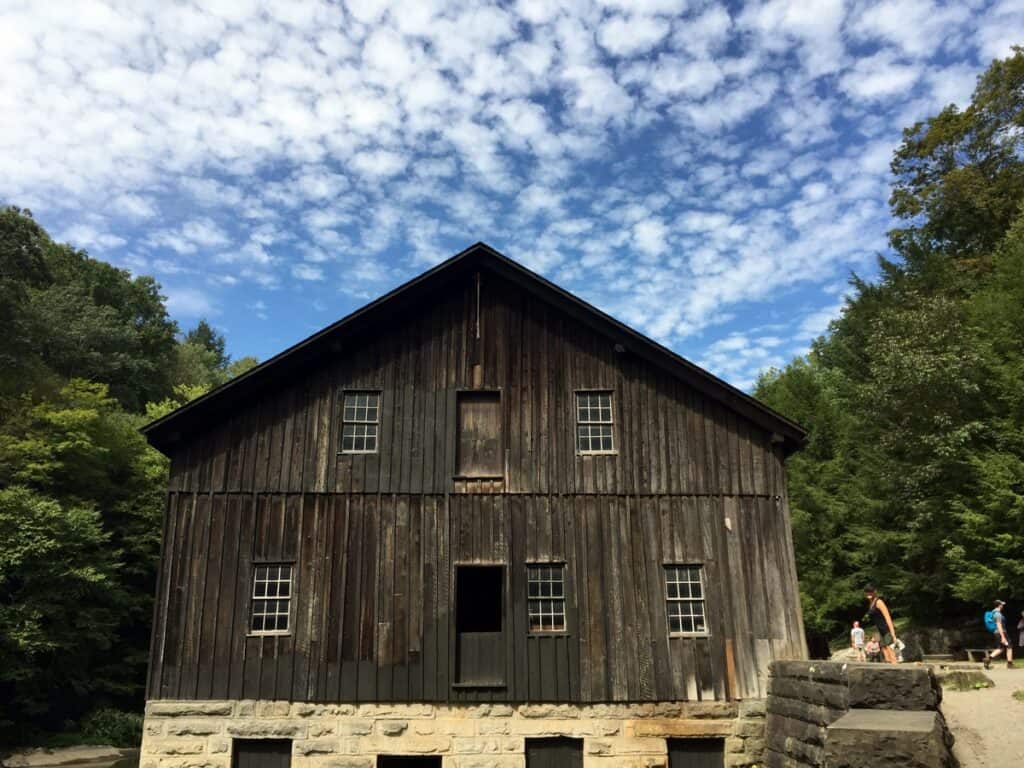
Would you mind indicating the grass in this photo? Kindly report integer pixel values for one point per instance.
(1019, 695)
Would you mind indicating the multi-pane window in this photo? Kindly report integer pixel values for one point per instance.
(685, 600)
(594, 422)
(545, 586)
(360, 421)
(271, 599)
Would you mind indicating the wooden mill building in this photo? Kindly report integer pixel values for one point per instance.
(475, 524)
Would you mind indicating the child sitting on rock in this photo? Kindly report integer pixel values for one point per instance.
(873, 649)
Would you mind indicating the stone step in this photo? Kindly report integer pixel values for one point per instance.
(868, 738)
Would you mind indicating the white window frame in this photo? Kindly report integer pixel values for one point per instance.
(376, 423)
(547, 600)
(610, 422)
(256, 598)
(680, 599)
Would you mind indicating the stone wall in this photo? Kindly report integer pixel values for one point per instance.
(816, 716)
(198, 734)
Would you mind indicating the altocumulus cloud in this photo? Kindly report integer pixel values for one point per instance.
(699, 170)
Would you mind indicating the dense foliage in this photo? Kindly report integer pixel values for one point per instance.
(913, 476)
(88, 355)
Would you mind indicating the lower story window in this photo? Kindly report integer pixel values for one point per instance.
(271, 599)
(546, 597)
(684, 596)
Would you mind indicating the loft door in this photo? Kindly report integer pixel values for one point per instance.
(696, 753)
(479, 452)
(261, 753)
(554, 753)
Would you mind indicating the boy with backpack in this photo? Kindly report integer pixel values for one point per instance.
(996, 624)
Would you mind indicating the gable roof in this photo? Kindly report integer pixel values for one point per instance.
(167, 431)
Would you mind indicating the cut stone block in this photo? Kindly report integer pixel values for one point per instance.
(868, 738)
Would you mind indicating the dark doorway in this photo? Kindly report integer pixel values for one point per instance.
(408, 762)
(261, 753)
(479, 625)
(696, 753)
(554, 753)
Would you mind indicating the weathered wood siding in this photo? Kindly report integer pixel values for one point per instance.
(670, 440)
(375, 538)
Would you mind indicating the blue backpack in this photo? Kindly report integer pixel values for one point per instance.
(990, 622)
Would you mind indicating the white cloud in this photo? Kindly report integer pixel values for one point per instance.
(880, 76)
(379, 163)
(630, 35)
(307, 272)
(88, 236)
(189, 302)
(917, 27)
(135, 206)
(650, 237)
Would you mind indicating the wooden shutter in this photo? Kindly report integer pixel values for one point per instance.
(696, 753)
(261, 753)
(554, 753)
(479, 448)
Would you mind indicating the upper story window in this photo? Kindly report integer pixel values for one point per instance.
(594, 422)
(545, 586)
(271, 599)
(360, 422)
(684, 595)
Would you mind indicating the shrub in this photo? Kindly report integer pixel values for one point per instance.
(114, 727)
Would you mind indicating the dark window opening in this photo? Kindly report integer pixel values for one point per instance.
(554, 753)
(397, 761)
(479, 624)
(696, 753)
(478, 594)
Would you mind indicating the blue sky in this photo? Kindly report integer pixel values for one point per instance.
(708, 173)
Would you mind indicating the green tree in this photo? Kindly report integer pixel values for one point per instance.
(914, 473)
(81, 449)
(59, 606)
(960, 174)
(87, 358)
(73, 316)
(205, 337)
(22, 268)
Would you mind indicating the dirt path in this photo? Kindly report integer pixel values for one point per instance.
(988, 724)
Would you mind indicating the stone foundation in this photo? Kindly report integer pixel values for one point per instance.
(198, 734)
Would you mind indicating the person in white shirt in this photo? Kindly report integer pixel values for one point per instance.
(857, 640)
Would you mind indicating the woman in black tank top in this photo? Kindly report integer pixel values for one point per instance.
(878, 613)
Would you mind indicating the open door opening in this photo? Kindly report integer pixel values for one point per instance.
(479, 625)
